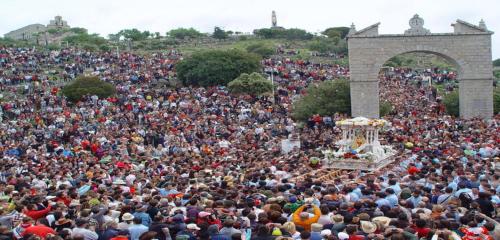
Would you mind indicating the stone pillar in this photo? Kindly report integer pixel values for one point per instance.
(364, 99)
(476, 98)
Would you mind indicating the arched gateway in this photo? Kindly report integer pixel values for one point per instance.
(468, 47)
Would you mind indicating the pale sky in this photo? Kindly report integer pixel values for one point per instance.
(104, 17)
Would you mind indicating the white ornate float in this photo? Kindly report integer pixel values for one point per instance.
(360, 147)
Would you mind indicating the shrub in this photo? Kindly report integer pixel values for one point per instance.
(496, 100)
(216, 67)
(326, 98)
(290, 34)
(385, 108)
(260, 49)
(451, 102)
(181, 33)
(496, 63)
(83, 86)
(496, 74)
(254, 84)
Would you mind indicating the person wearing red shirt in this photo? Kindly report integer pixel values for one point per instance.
(413, 170)
(352, 232)
(36, 214)
(62, 197)
(39, 230)
(420, 228)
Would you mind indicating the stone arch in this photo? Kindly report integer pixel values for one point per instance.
(468, 47)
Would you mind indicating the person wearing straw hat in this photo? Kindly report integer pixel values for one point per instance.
(368, 227)
(126, 221)
(385, 221)
(338, 223)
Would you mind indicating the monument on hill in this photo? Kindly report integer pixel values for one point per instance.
(468, 47)
(274, 21)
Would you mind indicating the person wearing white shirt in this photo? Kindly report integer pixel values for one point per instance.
(130, 179)
(224, 144)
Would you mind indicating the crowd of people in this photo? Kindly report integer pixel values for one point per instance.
(154, 162)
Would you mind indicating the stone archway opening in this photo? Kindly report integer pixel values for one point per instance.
(468, 47)
(416, 82)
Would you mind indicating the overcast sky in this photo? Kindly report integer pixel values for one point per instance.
(110, 16)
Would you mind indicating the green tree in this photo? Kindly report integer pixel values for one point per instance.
(496, 74)
(78, 30)
(54, 31)
(297, 34)
(496, 63)
(216, 67)
(260, 49)
(290, 34)
(254, 84)
(321, 45)
(340, 32)
(385, 108)
(325, 99)
(83, 86)
(340, 47)
(115, 37)
(219, 33)
(265, 33)
(327, 45)
(395, 61)
(451, 102)
(134, 34)
(181, 33)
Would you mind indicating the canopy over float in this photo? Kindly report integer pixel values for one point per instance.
(360, 148)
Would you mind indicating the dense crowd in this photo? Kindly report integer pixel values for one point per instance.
(198, 163)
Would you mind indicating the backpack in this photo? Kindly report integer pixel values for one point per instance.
(465, 199)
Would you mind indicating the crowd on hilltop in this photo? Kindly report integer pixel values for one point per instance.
(154, 162)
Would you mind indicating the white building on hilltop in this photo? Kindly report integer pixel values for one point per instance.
(29, 32)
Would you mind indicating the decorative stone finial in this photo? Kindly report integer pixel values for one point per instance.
(482, 25)
(352, 30)
(417, 26)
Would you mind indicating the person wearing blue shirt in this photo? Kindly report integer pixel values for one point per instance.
(137, 229)
(143, 216)
(462, 188)
(381, 201)
(395, 186)
(353, 197)
(391, 197)
(415, 199)
(13, 152)
(168, 191)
